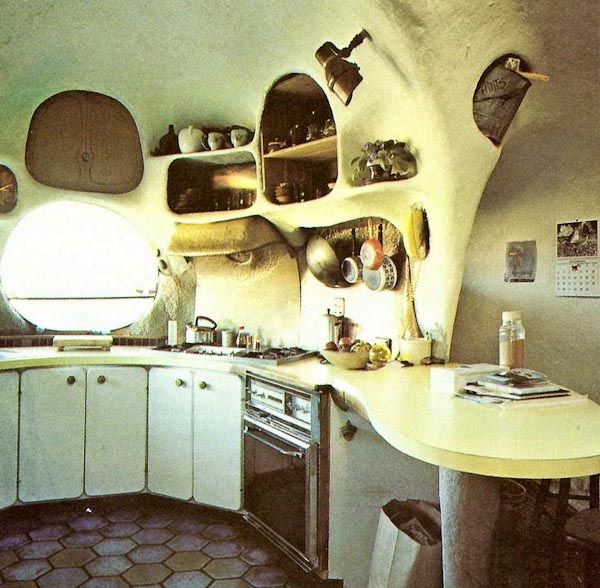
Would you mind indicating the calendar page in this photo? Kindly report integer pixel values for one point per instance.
(577, 260)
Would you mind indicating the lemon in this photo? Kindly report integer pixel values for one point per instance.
(380, 354)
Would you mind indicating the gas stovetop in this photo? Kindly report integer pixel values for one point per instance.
(267, 356)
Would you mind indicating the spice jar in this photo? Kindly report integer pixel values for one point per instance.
(511, 340)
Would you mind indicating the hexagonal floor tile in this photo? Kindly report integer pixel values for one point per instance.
(72, 558)
(111, 565)
(49, 532)
(222, 531)
(266, 576)
(155, 520)
(82, 539)
(149, 554)
(13, 540)
(63, 578)
(7, 558)
(39, 549)
(231, 583)
(125, 529)
(187, 561)
(141, 574)
(187, 542)
(187, 525)
(188, 580)
(230, 567)
(220, 549)
(123, 515)
(88, 523)
(107, 582)
(115, 546)
(152, 536)
(29, 569)
(260, 556)
(20, 525)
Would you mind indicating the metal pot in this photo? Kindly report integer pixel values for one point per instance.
(205, 334)
(323, 263)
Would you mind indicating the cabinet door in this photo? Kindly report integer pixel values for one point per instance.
(9, 417)
(115, 444)
(52, 433)
(170, 435)
(218, 439)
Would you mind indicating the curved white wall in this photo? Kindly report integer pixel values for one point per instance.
(181, 62)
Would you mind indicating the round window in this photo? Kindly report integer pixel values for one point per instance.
(71, 266)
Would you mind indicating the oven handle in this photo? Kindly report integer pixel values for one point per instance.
(270, 442)
(256, 424)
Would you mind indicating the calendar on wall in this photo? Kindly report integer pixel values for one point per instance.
(577, 260)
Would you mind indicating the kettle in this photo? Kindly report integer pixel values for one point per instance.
(201, 333)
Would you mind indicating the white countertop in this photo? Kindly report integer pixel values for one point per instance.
(547, 442)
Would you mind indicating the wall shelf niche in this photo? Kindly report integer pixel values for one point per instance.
(304, 167)
(212, 182)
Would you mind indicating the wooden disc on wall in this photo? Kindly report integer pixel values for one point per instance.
(8, 189)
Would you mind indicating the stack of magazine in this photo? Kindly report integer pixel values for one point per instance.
(519, 388)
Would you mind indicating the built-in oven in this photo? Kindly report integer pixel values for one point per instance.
(286, 467)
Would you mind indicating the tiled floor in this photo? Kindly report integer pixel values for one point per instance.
(136, 541)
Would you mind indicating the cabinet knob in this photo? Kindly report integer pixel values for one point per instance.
(202, 385)
(179, 382)
(71, 380)
(101, 379)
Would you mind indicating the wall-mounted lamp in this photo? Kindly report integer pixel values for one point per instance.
(341, 75)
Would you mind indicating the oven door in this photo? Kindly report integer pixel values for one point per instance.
(280, 489)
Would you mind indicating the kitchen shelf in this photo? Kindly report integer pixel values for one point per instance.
(211, 183)
(307, 170)
(324, 149)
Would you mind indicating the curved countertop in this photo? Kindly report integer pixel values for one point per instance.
(550, 442)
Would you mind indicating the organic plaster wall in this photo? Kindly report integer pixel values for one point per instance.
(262, 294)
(180, 62)
(547, 174)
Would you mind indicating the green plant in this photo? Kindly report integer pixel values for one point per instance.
(383, 160)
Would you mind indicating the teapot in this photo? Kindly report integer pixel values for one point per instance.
(191, 139)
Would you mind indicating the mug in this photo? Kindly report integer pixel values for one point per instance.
(384, 277)
(352, 268)
(216, 140)
(240, 136)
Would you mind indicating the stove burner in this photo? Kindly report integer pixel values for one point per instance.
(270, 352)
(269, 355)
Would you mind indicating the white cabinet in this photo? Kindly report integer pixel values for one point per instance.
(170, 433)
(115, 444)
(218, 439)
(9, 427)
(52, 424)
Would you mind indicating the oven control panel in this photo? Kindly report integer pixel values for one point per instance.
(279, 401)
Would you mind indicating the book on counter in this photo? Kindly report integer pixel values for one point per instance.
(519, 387)
(566, 398)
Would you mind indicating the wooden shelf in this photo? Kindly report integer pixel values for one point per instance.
(324, 149)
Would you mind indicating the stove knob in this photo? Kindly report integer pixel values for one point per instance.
(202, 385)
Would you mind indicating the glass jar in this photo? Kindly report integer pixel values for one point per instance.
(511, 340)
(242, 338)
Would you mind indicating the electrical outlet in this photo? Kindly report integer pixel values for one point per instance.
(339, 307)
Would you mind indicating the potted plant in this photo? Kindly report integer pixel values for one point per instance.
(383, 161)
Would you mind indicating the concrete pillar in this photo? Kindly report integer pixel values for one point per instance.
(470, 504)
